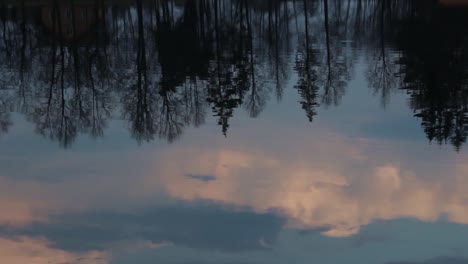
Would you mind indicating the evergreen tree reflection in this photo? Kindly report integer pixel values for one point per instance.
(163, 66)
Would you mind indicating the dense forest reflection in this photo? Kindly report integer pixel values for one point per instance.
(71, 67)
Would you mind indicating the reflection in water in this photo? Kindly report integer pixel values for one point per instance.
(163, 66)
(26, 250)
(334, 198)
(233, 200)
(435, 73)
(278, 190)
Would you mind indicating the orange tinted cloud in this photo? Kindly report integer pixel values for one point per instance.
(317, 194)
(23, 250)
(330, 181)
(20, 204)
(19, 213)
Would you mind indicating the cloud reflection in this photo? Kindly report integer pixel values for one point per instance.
(316, 195)
(22, 250)
(249, 193)
(199, 225)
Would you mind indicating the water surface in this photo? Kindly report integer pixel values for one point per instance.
(233, 131)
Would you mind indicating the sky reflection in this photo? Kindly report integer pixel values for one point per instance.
(332, 189)
(203, 154)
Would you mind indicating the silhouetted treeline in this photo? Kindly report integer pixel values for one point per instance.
(72, 66)
(434, 64)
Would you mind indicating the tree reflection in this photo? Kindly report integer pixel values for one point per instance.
(323, 67)
(383, 68)
(163, 66)
(435, 66)
(306, 67)
(336, 72)
(5, 109)
(69, 99)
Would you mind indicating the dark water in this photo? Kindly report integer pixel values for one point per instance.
(233, 132)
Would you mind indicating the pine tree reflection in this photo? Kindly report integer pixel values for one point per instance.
(435, 65)
(164, 65)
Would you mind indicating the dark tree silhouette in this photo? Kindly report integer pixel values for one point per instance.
(435, 71)
(383, 68)
(5, 110)
(71, 66)
(307, 70)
